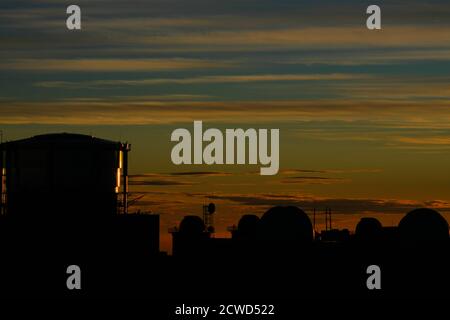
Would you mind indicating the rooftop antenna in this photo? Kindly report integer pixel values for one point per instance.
(208, 216)
(329, 212)
(314, 220)
(125, 149)
(328, 225)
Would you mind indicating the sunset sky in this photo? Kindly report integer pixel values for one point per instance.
(364, 116)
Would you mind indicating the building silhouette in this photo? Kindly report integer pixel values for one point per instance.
(70, 190)
(53, 170)
(64, 200)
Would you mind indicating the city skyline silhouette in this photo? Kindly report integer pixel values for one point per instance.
(282, 247)
(86, 117)
(140, 200)
(363, 114)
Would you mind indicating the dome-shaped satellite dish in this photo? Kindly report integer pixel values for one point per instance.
(368, 229)
(286, 224)
(192, 225)
(248, 223)
(423, 225)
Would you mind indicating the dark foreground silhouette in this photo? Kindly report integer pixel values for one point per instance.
(64, 201)
(275, 257)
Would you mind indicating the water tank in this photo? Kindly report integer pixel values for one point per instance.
(62, 174)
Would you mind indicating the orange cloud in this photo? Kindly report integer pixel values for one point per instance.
(205, 80)
(438, 141)
(427, 113)
(311, 37)
(110, 65)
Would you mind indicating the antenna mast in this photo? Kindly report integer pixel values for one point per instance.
(208, 216)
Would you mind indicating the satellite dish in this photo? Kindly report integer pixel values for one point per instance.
(211, 208)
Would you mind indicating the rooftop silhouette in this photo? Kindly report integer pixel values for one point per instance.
(423, 225)
(64, 201)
